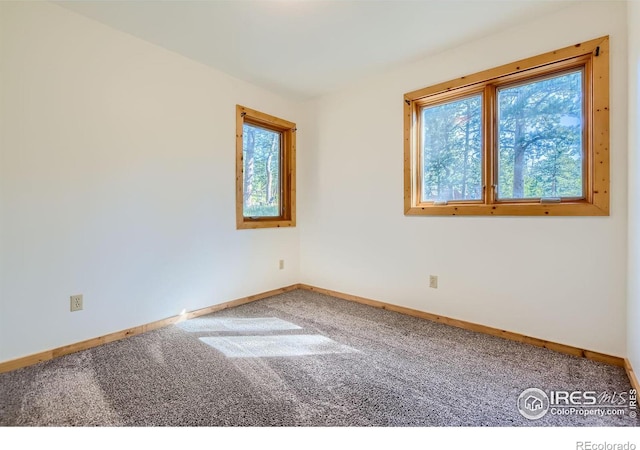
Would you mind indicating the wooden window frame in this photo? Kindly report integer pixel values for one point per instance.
(593, 55)
(287, 217)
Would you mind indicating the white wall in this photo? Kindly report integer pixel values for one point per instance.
(117, 181)
(561, 279)
(633, 306)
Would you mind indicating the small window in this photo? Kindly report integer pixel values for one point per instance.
(265, 170)
(527, 138)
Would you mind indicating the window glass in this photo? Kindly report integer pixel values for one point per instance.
(261, 151)
(540, 129)
(452, 150)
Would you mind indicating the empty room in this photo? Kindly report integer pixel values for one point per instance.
(315, 214)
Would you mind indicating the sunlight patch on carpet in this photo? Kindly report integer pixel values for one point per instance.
(240, 324)
(272, 346)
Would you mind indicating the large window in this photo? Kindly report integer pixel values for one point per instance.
(265, 170)
(527, 138)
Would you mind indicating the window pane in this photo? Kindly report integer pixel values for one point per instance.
(540, 138)
(261, 160)
(452, 150)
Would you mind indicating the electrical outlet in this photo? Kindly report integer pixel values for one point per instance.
(76, 302)
(433, 281)
(281, 264)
